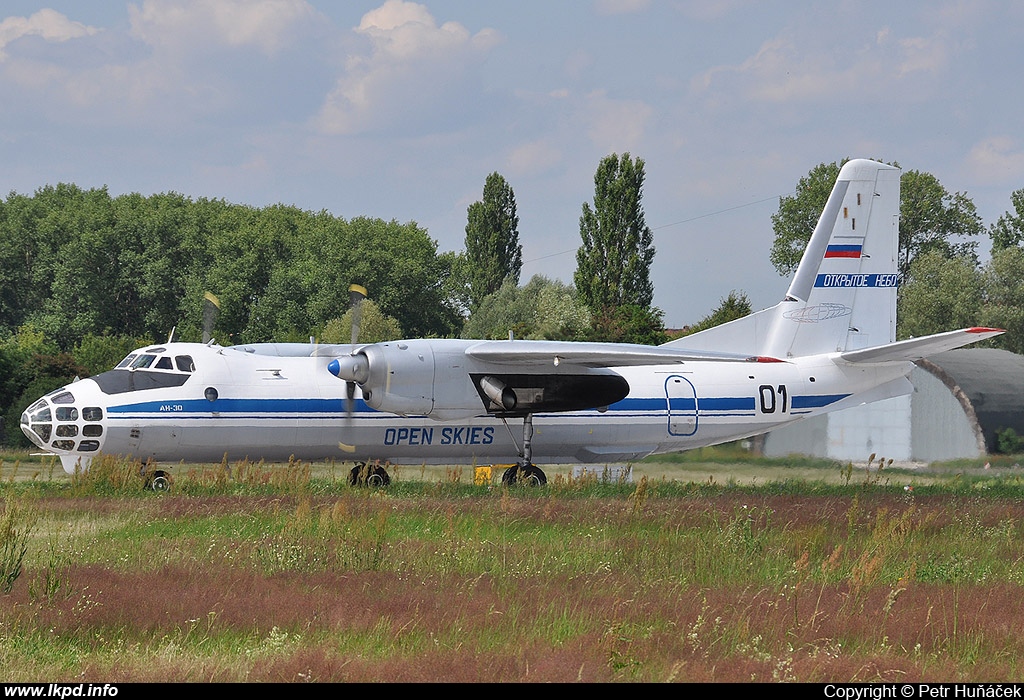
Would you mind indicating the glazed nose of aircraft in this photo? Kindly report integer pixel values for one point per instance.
(55, 423)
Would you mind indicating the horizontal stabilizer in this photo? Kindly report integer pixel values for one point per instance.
(917, 348)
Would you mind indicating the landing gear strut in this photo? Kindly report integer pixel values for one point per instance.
(526, 472)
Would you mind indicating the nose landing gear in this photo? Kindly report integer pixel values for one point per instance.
(373, 475)
(158, 480)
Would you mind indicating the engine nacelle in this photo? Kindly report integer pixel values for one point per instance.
(435, 378)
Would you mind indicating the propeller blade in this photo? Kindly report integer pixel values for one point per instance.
(350, 399)
(352, 368)
(356, 294)
(211, 309)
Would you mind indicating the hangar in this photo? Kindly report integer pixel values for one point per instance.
(962, 401)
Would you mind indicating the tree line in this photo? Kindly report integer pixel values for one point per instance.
(85, 277)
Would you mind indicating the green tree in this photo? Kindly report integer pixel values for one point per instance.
(543, 309)
(939, 294)
(931, 219)
(629, 323)
(493, 252)
(99, 353)
(374, 326)
(734, 306)
(1003, 278)
(1008, 231)
(613, 263)
(798, 214)
(30, 366)
(397, 263)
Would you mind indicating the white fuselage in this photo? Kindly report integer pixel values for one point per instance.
(225, 402)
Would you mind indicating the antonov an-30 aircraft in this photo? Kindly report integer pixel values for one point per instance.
(828, 345)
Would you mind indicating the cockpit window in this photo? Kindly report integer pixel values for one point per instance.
(126, 361)
(143, 361)
(185, 363)
(67, 413)
(164, 363)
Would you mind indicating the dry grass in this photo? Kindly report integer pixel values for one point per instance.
(278, 577)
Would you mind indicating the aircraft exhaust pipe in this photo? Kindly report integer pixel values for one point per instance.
(499, 393)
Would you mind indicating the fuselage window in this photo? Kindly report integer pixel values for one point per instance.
(63, 397)
(164, 363)
(143, 361)
(88, 445)
(185, 363)
(92, 430)
(93, 413)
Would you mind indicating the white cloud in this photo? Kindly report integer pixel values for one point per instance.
(414, 69)
(534, 157)
(616, 125)
(793, 67)
(267, 25)
(48, 24)
(997, 160)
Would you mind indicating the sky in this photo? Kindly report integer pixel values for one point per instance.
(400, 110)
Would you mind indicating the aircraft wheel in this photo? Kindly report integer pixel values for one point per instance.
(160, 482)
(366, 475)
(524, 474)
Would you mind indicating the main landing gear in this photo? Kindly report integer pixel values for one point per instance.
(525, 472)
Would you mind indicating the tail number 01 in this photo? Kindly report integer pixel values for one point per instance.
(773, 398)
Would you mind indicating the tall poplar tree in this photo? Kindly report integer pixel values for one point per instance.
(493, 252)
(613, 264)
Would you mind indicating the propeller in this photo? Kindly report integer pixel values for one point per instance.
(352, 368)
(211, 309)
(356, 294)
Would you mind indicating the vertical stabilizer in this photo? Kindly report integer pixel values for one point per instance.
(843, 295)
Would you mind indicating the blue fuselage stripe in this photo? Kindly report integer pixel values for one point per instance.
(314, 408)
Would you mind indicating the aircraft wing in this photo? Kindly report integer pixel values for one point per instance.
(539, 353)
(916, 348)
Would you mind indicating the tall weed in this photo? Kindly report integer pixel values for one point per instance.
(16, 525)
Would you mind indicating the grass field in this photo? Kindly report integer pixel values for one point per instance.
(708, 566)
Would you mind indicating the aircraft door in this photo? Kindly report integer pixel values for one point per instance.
(681, 398)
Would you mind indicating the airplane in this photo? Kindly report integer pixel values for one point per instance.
(828, 345)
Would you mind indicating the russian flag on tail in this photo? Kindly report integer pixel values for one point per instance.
(843, 251)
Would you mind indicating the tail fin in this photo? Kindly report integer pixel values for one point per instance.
(843, 295)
